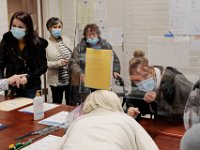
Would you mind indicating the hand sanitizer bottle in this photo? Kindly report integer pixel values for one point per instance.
(38, 106)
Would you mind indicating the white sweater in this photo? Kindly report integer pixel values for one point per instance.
(52, 56)
(105, 130)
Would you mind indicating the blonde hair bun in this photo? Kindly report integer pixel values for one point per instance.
(138, 53)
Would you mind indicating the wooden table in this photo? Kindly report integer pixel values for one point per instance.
(165, 134)
(19, 123)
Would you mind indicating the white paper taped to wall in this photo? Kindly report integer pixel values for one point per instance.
(184, 17)
(179, 52)
(169, 51)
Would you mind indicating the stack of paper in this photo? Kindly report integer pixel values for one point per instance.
(2, 126)
(12, 104)
(43, 143)
(46, 107)
(58, 119)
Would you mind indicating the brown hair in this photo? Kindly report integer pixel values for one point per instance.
(53, 21)
(91, 27)
(138, 53)
(31, 36)
(139, 59)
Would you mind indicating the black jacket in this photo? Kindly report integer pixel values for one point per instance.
(172, 94)
(32, 60)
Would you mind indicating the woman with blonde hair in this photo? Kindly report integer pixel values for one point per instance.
(155, 84)
(105, 126)
(138, 53)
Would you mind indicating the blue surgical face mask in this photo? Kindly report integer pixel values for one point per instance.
(56, 33)
(18, 33)
(146, 85)
(92, 41)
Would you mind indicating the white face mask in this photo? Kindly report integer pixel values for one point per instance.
(146, 85)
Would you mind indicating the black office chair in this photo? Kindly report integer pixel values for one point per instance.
(143, 107)
(138, 102)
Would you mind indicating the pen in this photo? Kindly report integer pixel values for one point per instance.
(32, 133)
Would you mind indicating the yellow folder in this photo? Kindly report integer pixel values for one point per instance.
(98, 68)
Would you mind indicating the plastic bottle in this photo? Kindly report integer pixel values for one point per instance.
(38, 106)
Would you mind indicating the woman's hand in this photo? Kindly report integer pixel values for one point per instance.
(150, 96)
(23, 80)
(133, 112)
(116, 75)
(82, 77)
(16, 80)
(64, 62)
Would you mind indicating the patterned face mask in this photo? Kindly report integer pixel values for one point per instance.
(146, 85)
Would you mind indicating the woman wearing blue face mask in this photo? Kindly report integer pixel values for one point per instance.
(165, 86)
(22, 51)
(91, 39)
(59, 53)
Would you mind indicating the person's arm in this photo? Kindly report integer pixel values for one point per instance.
(2, 58)
(74, 62)
(14, 80)
(56, 64)
(52, 57)
(116, 64)
(52, 63)
(133, 111)
(74, 67)
(4, 84)
(42, 61)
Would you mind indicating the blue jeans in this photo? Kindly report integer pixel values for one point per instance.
(27, 92)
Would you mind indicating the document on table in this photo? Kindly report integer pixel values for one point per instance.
(43, 143)
(2, 126)
(46, 107)
(58, 119)
(12, 104)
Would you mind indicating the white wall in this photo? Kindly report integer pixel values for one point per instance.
(3, 17)
(142, 19)
(138, 18)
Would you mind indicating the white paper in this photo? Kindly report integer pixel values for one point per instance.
(195, 44)
(46, 107)
(169, 51)
(115, 36)
(184, 17)
(179, 52)
(56, 120)
(12, 104)
(43, 143)
(85, 12)
(101, 10)
(104, 32)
